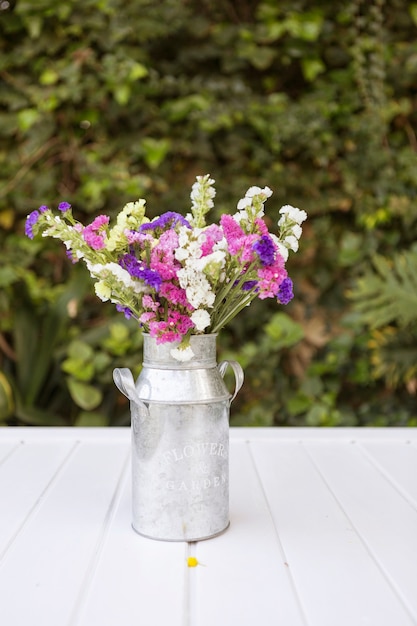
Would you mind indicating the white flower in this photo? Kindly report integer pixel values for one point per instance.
(98, 270)
(200, 319)
(291, 242)
(102, 290)
(197, 287)
(131, 216)
(281, 248)
(297, 231)
(243, 203)
(253, 191)
(294, 214)
(256, 191)
(182, 354)
(241, 216)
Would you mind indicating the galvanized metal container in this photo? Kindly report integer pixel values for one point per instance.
(180, 441)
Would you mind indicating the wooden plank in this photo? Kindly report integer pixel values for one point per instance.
(42, 573)
(133, 580)
(244, 578)
(25, 474)
(398, 463)
(338, 581)
(385, 520)
(7, 448)
(323, 434)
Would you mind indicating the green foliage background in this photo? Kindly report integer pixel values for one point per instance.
(105, 101)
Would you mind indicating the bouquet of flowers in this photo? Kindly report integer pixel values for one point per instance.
(177, 275)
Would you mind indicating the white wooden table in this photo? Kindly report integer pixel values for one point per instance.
(323, 533)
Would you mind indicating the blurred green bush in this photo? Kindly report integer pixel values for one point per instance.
(102, 102)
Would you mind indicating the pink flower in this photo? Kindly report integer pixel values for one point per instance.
(238, 242)
(162, 255)
(146, 317)
(132, 236)
(92, 235)
(149, 303)
(175, 295)
(262, 227)
(233, 233)
(270, 278)
(213, 234)
(174, 329)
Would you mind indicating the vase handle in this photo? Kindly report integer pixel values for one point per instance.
(124, 381)
(238, 372)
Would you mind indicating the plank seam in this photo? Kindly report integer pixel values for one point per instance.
(38, 501)
(190, 587)
(388, 477)
(11, 452)
(98, 549)
(390, 581)
(284, 558)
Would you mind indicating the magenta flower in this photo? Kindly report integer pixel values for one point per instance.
(270, 279)
(162, 255)
(174, 329)
(175, 295)
(212, 234)
(93, 234)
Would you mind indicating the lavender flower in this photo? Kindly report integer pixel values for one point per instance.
(32, 219)
(125, 310)
(64, 206)
(166, 220)
(285, 292)
(249, 285)
(265, 249)
(137, 269)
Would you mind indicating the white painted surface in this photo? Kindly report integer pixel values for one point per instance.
(323, 533)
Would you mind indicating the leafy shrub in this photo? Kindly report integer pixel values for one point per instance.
(103, 102)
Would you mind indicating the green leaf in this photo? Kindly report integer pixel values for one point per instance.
(122, 93)
(91, 419)
(78, 368)
(155, 150)
(283, 330)
(312, 68)
(413, 12)
(137, 71)
(49, 77)
(6, 398)
(388, 293)
(85, 396)
(27, 118)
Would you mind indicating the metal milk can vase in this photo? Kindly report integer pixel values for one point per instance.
(180, 441)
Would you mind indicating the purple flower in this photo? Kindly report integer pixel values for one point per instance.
(285, 292)
(137, 269)
(166, 220)
(265, 249)
(64, 206)
(31, 220)
(125, 310)
(249, 285)
(71, 257)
